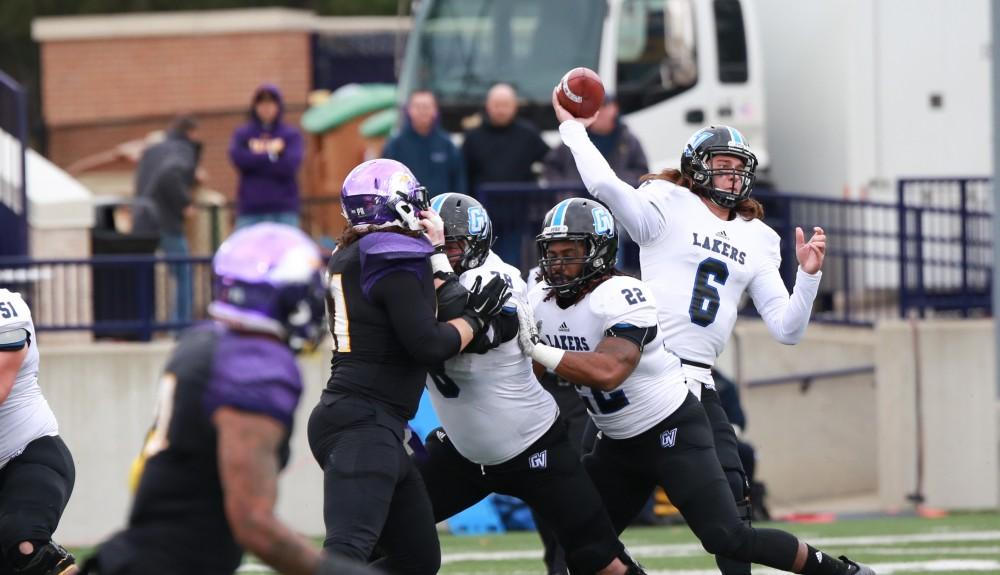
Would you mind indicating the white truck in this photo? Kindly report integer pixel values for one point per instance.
(674, 65)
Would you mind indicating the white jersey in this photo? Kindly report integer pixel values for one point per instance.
(24, 415)
(653, 391)
(491, 405)
(697, 264)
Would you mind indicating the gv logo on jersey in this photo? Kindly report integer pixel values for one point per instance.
(477, 220)
(539, 460)
(668, 438)
(603, 223)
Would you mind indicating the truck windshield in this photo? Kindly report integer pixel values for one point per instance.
(462, 47)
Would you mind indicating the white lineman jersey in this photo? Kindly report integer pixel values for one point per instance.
(24, 415)
(653, 391)
(700, 267)
(490, 405)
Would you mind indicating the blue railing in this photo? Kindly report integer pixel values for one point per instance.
(13, 143)
(117, 297)
(931, 253)
(946, 245)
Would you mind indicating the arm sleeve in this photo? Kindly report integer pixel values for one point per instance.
(634, 214)
(414, 322)
(290, 158)
(786, 317)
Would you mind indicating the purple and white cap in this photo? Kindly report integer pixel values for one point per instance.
(269, 279)
(371, 187)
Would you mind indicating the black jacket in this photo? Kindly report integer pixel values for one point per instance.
(502, 154)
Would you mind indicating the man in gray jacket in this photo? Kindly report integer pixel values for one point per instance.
(163, 183)
(614, 140)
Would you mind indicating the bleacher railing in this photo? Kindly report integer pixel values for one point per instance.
(117, 297)
(930, 254)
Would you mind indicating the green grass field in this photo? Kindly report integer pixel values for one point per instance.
(960, 543)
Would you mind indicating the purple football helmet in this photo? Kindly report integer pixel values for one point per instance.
(377, 191)
(269, 278)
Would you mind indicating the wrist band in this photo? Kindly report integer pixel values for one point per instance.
(547, 355)
(440, 249)
(440, 263)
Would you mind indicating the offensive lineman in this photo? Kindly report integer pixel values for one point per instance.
(600, 332)
(502, 431)
(702, 245)
(209, 467)
(36, 468)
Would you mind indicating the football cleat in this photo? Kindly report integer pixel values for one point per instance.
(857, 568)
(50, 559)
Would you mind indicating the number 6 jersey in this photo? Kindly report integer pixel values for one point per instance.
(656, 387)
(699, 264)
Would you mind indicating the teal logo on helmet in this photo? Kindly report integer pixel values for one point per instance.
(604, 224)
(477, 220)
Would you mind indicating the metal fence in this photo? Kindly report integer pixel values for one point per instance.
(929, 254)
(946, 246)
(117, 297)
(13, 143)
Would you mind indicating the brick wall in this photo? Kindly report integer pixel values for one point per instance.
(94, 81)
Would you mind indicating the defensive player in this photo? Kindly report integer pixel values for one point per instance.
(382, 304)
(501, 431)
(702, 245)
(36, 468)
(600, 332)
(210, 463)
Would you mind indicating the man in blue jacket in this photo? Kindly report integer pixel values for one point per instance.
(267, 153)
(426, 149)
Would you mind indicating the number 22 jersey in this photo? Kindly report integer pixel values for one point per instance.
(656, 387)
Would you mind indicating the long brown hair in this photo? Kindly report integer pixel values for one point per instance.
(351, 235)
(747, 209)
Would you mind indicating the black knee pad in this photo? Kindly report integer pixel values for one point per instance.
(727, 540)
(48, 559)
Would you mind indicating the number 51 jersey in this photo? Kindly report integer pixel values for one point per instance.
(656, 387)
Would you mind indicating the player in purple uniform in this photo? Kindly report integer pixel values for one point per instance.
(210, 463)
(389, 280)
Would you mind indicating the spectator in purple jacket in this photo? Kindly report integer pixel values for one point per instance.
(267, 153)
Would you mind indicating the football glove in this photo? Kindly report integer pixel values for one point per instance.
(485, 301)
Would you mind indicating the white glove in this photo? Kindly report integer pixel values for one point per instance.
(527, 331)
(531, 343)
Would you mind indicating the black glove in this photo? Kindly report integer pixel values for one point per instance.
(485, 302)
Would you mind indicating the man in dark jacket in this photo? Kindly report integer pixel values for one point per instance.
(614, 140)
(426, 149)
(267, 153)
(504, 147)
(164, 179)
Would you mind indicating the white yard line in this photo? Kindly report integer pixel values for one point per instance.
(691, 549)
(937, 566)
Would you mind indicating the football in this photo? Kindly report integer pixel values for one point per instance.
(581, 92)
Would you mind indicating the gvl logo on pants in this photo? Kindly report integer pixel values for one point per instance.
(668, 438)
(539, 460)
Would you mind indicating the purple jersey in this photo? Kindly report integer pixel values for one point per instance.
(178, 522)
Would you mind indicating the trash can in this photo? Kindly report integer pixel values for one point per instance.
(123, 292)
